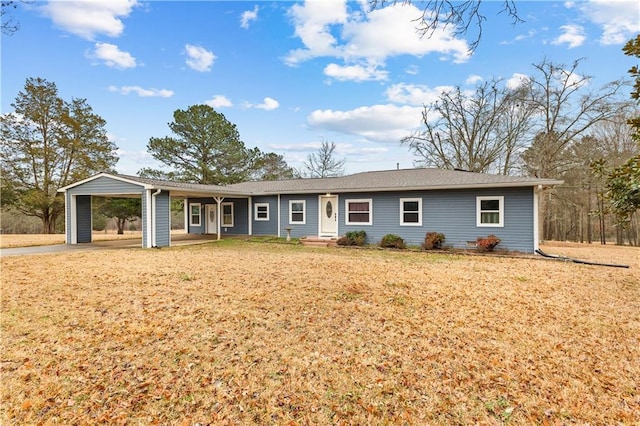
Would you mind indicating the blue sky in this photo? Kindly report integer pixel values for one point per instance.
(292, 74)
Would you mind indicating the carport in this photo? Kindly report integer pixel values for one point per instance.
(156, 204)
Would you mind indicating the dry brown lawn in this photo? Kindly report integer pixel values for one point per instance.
(234, 332)
(29, 240)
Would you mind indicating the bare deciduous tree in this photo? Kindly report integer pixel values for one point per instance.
(480, 131)
(323, 163)
(462, 15)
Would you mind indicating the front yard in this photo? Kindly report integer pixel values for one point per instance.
(234, 332)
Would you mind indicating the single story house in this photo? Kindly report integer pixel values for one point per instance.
(409, 203)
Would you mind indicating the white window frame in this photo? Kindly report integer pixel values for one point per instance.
(191, 215)
(257, 207)
(402, 211)
(500, 211)
(358, 200)
(222, 224)
(304, 212)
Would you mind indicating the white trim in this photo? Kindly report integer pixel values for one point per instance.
(199, 214)
(304, 212)
(358, 200)
(249, 202)
(227, 225)
(148, 243)
(255, 212)
(74, 220)
(500, 211)
(99, 175)
(279, 220)
(536, 220)
(402, 211)
(185, 210)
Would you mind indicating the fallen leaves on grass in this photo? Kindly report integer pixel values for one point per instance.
(249, 333)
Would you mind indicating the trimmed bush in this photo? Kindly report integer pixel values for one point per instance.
(352, 238)
(487, 244)
(392, 241)
(433, 241)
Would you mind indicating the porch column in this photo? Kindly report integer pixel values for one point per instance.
(218, 201)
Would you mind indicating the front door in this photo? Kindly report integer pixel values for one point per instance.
(211, 211)
(328, 215)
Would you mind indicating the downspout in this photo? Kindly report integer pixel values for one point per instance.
(153, 217)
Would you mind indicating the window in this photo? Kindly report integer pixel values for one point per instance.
(261, 212)
(227, 214)
(358, 212)
(411, 211)
(195, 215)
(490, 211)
(297, 211)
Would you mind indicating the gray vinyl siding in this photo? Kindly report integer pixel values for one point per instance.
(163, 219)
(202, 201)
(83, 211)
(240, 217)
(107, 186)
(310, 227)
(262, 227)
(451, 212)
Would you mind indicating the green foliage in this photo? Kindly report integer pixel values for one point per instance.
(271, 166)
(623, 190)
(123, 209)
(632, 48)
(487, 244)
(392, 241)
(353, 238)
(48, 143)
(207, 149)
(98, 222)
(433, 241)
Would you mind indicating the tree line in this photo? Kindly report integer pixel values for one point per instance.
(551, 124)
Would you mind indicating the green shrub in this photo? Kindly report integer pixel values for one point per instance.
(392, 241)
(433, 241)
(352, 238)
(487, 244)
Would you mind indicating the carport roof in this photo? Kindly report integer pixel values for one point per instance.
(177, 188)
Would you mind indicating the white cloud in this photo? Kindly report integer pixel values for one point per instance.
(379, 123)
(112, 56)
(219, 101)
(267, 104)
(415, 94)
(356, 73)
(517, 80)
(313, 21)
(573, 36)
(199, 58)
(89, 18)
(248, 16)
(144, 93)
(619, 20)
(473, 79)
(328, 29)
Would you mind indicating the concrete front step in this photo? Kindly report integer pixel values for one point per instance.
(318, 242)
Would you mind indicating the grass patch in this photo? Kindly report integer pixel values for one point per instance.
(237, 332)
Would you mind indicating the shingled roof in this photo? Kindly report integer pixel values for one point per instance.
(391, 180)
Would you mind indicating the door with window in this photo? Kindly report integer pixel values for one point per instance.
(328, 216)
(212, 218)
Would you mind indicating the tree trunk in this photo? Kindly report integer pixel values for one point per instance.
(121, 223)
